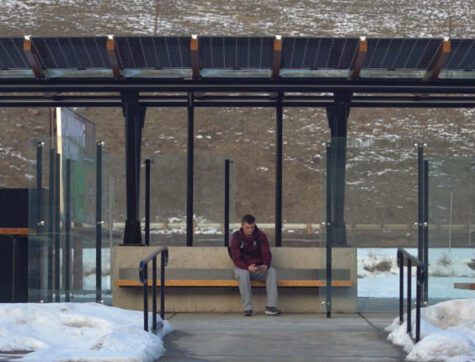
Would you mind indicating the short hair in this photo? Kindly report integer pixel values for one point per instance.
(248, 219)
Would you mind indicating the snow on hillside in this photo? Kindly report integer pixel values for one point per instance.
(378, 273)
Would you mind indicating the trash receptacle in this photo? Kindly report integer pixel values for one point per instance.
(13, 245)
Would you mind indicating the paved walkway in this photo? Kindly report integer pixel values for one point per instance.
(289, 337)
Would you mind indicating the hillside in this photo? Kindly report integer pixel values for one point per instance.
(381, 172)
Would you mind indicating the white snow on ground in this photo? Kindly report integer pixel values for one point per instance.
(447, 333)
(378, 273)
(78, 332)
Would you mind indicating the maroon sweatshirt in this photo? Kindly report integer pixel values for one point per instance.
(250, 250)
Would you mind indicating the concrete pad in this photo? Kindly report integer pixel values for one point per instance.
(296, 337)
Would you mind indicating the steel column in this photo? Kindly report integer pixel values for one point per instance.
(190, 170)
(329, 230)
(99, 222)
(39, 185)
(420, 201)
(426, 233)
(51, 226)
(147, 201)
(278, 170)
(134, 116)
(67, 233)
(57, 228)
(338, 122)
(226, 201)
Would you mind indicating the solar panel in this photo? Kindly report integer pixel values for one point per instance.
(318, 53)
(11, 54)
(67, 52)
(391, 54)
(154, 52)
(462, 56)
(236, 52)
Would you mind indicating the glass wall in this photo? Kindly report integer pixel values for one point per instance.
(62, 241)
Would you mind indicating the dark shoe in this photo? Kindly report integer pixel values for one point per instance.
(272, 311)
(247, 313)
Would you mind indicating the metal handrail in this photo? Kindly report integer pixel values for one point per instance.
(143, 275)
(401, 254)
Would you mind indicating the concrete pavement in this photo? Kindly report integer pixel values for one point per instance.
(289, 337)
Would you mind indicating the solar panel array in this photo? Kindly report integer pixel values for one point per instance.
(462, 56)
(401, 53)
(11, 54)
(154, 52)
(318, 53)
(235, 53)
(79, 53)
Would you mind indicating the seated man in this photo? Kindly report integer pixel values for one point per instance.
(250, 252)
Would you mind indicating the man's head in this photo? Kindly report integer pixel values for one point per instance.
(248, 224)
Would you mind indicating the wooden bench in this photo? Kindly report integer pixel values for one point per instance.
(470, 286)
(219, 278)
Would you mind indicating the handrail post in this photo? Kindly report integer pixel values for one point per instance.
(409, 267)
(154, 291)
(145, 297)
(418, 303)
(163, 258)
(400, 259)
(147, 201)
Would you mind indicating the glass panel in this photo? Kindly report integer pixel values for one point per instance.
(451, 213)
(53, 246)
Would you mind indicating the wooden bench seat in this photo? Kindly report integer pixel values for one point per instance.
(470, 286)
(290, 278)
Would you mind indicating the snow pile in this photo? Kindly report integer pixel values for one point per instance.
(78, 332)
(447, 332)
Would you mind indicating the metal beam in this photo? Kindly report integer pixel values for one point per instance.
(409, 86)
(239, 101)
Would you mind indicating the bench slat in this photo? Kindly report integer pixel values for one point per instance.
(470, 286)
(234, 283)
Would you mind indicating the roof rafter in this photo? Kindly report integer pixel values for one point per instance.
(33, 58)
(439, 60)
(359, 58)
(113, 56)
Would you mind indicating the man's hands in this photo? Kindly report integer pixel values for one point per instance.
(253, 268)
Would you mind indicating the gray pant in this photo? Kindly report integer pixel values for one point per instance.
(245, 277)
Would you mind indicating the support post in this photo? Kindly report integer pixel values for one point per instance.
(190, 170)
(67, 233)
(39, 185)
(134, 119)
(57, 228)
(338, 121)
(99, 222)
(51, 226)
(329, 229)
(226, 201)
(278, 170)
(148, 162)
(420, 201)
(426, 233)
